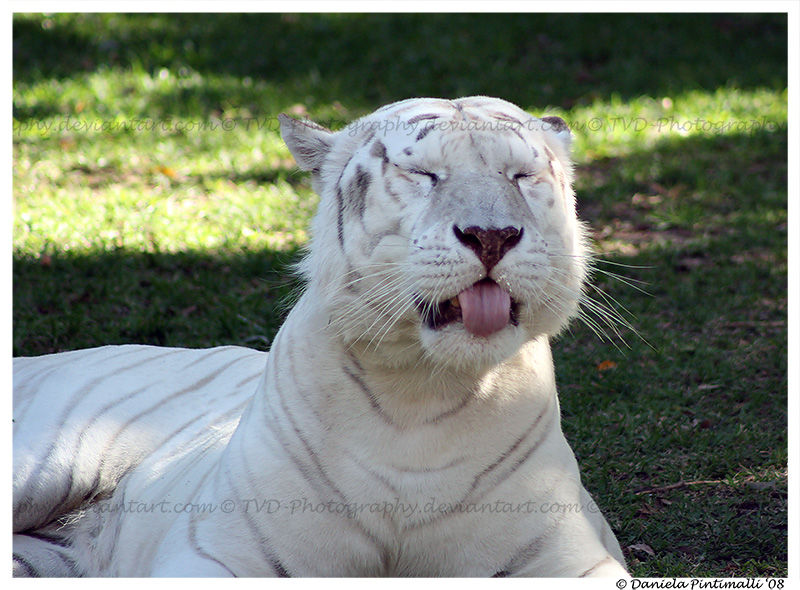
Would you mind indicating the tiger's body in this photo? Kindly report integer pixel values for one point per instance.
(405, 422)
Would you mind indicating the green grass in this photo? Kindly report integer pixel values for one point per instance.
(154, 202)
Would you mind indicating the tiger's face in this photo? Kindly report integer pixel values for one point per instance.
(446, 229)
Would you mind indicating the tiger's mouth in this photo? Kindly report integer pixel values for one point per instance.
(484, 309)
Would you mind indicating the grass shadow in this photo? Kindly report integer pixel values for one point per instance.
(191, 299)
(579, 58)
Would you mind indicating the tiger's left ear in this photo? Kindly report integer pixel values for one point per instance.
(308, 142)
(559, 138)
(556, 126)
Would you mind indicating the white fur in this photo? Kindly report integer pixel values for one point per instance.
(370, 443)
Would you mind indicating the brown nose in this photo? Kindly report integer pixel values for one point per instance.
(489, 244)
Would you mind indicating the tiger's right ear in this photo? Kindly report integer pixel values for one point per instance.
(308, 142)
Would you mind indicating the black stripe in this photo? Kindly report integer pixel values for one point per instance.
(597, 565)
(505, 117)
(426, 117)
(390, 191)
(317, 468)
(311, 466)
(340, 202)
(278, 567)
(368, 137)
(507, 454)
(453, 411)
(27, 390)
(373, 401)
(527, 454)
(199, 550)
(340, 215)
(445, 467)
(72, 566)
(264, 545)
(517, 132)
(357, 191)
(379, 151)
(244, 382)
(423, 132)
(394, 230)
(533, 547)
(515, 126)
(46, 537)
(31, 571)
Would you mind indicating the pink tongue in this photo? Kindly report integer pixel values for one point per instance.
(485, 308)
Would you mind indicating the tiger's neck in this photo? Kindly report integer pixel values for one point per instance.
(408, 395)
(320, 401)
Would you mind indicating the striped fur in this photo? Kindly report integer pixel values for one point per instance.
(406, 421)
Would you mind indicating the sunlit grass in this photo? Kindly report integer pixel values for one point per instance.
(613, 128)
(145, 178)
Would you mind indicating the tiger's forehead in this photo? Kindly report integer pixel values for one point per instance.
(421, 115)
(436, 127)
(474, 107)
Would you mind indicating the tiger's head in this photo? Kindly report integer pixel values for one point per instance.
(446, 229)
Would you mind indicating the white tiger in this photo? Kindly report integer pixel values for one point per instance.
(405, 422)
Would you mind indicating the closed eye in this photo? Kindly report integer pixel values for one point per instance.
(519, 175)
(431, 175)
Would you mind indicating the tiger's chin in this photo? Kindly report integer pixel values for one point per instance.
(452, 345)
